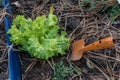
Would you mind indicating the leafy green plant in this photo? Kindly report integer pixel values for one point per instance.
(114, 9)
(63, 72)
(0, 1)
(40, 37)
(85, 3)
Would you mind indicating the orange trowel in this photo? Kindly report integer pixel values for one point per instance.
(78, 47)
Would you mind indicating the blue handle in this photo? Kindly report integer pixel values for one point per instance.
(13, 58)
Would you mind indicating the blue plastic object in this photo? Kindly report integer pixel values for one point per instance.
(13, 58)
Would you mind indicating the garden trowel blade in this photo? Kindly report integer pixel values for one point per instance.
(77, 51)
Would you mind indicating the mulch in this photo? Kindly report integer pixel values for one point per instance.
(78, 23)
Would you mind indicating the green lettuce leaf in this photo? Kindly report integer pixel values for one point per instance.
(40, 37)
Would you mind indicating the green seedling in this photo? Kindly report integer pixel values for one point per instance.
(63, 72)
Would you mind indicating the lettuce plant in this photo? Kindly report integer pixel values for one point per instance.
(41, 37)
